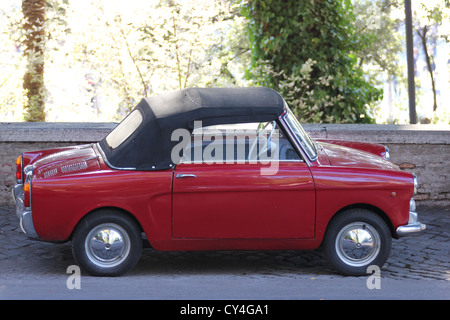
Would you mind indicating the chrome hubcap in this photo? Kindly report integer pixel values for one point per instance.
(358, 244)
(107, 245)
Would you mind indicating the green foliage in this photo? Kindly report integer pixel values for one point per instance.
(102, 57)
(305, 50)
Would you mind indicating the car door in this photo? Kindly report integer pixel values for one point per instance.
(237, 199)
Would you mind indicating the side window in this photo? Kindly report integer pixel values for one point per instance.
(239, 143)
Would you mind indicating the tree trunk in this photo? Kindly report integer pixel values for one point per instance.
(423, 37)
(33, 80)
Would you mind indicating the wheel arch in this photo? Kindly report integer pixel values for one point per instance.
(113, 208)
(368, 207)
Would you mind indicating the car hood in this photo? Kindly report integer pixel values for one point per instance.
(347, 157)
(75, 160)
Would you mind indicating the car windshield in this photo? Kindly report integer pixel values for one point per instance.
(300, 134)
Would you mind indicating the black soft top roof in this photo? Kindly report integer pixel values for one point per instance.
(149, 146)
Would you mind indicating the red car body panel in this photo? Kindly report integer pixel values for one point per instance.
(339, 188)
(241, 203)
(374, 148)
(33, 156)
(146, 195)
(305, 197)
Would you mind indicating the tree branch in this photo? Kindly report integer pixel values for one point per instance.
(135, 64)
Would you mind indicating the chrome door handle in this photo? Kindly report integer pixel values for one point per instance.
(187, 175)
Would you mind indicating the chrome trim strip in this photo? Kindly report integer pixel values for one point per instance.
(413, 225)
(24, 215)
(17, 191)
(410, 228)
(26, 224)
(234, 161)
(91, 158)
(106, 159)
(19, 202)
(416, 184)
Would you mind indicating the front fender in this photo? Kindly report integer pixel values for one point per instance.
(340, 187)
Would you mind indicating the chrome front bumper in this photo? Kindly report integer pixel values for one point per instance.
(23, 214)
(413, 225)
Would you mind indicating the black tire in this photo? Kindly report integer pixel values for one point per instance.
(107, 243)
(356, 239)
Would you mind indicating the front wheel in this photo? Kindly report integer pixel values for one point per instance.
(357, 239)
(107, 243)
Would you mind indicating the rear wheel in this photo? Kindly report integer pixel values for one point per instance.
(107, 243)
(356, 239)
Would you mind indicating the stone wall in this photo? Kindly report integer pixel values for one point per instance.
(422, 149)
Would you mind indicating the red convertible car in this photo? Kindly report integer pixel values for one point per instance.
(215, 169)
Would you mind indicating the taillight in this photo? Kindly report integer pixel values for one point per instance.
(19, 168)
(27, 194)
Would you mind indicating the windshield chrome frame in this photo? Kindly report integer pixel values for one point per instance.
(302, 133)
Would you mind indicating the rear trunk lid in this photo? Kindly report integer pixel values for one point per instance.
(75, 160)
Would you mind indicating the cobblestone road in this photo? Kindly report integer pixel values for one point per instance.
(422, 256)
